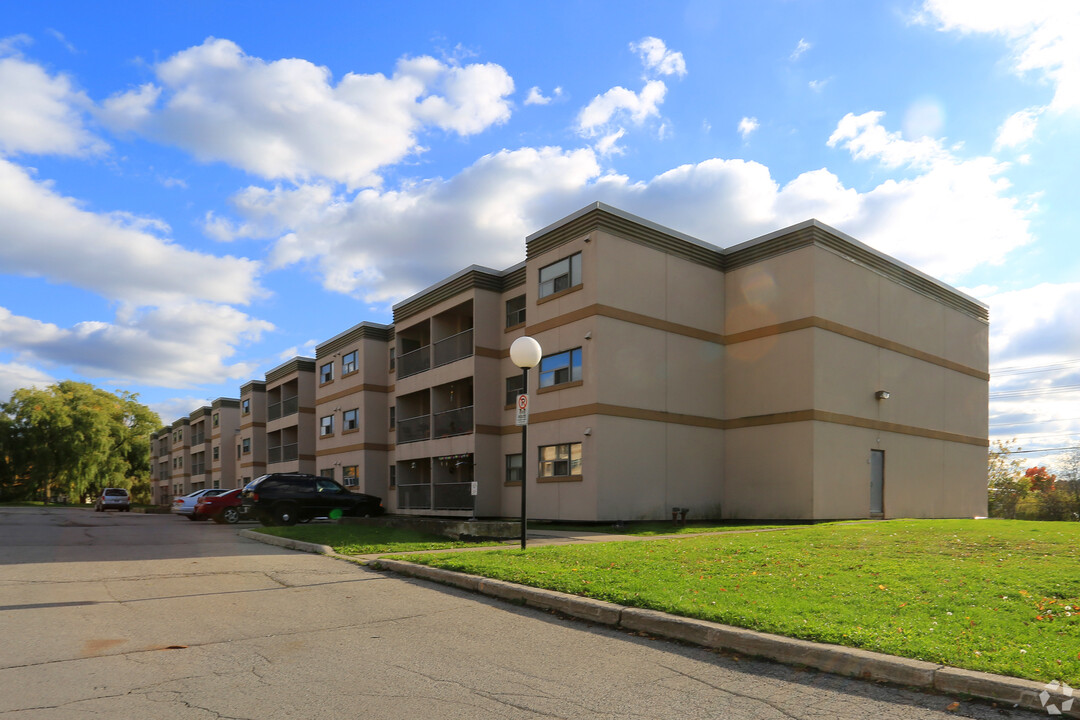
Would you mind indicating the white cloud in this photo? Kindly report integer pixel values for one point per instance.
(801, 47)
(1044, 35)
(608, 145)
(119, 256)
(619, 103)
(1018, 129)
(536, 97)
(287, 119)
(41, 113)
(947, 216)
(184, 344)
(818, 85)
(748, 125)
(657, 58)
(15, 375)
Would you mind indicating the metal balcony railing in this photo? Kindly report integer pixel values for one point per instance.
(414, 429)
(414, 362)
(289, 452)
(273, 411)
(453, 348)
(290, 406)
(414, 497)
(273, 454)
(452, 496)
(454, 422)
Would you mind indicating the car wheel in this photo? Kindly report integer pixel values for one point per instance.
(192, 517)
(229, 515)
(285, 514)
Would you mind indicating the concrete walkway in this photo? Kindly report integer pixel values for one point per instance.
(851, 662)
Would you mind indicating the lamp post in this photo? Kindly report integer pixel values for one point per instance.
(526, 353)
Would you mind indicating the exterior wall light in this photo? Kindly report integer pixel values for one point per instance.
(882, 394)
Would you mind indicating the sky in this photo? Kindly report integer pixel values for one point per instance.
(193, 193)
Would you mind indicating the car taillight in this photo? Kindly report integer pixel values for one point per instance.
(254, 497)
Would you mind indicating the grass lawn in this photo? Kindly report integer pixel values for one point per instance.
(646, 529)
(993, 595)
(365, 540)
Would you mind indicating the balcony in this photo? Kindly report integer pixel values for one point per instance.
(453, 422)
(453, 348)
(452, 496)
(198, 469)
(282, 453)
(414, 429)
(289, 406)
(414, 497)
(414, 362)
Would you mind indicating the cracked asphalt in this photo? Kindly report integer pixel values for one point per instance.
(120, 615)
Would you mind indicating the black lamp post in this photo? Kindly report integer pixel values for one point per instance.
(526, 353)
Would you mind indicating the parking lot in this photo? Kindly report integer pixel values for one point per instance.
(123, 615)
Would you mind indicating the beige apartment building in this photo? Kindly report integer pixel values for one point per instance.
(799, 375)
(251, 440)
(189, 455)
(290, 417)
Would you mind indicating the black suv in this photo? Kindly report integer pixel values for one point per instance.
(288, 498)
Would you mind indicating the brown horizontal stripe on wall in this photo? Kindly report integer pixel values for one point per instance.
(489, 352)
(366, 387)
(356, 447)
(249, 425)
(252, 464)
(747, 335)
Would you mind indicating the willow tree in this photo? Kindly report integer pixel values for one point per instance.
(75, 439)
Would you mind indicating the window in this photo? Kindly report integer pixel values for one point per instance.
(217, 484)
(513, 468)
(560, 460)
(393, 357)
(326, 373)
(393, 416)
(326, 426)
(561, 275)
(327, 473)
(348, 363)
(561, 368)
(180, 462)
(217, 453)
(245, 407)
(246, 443)
(515, 311)
(350, 420)
(393, 476)
(350, 476)
(237, 452)
(215, 419)
(513, 389)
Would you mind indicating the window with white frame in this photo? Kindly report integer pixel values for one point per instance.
(217, 453)
(327, 473)
(216, 419)
(326, 426)
(393, 476)
(560, 276)
(560, 368)
(245, 407)
(560, 460)
(514, 388)
(350, 475)
(513, 468)
(393, 416)
(348, 363)
(515, 311)
(326, 372)
(246, 444)
(350, 419)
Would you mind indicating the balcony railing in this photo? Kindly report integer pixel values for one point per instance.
(454, 422)
(414, 429)
(452, 496)
(414, 497)
(288, 406)
(273, 455)
(453, 348)
(290, 452)
(198, 439)
(416, 361)
(198, 469)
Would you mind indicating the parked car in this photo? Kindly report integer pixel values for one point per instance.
(113, 499)
(288, 498)
(186, 505)
(223, 508)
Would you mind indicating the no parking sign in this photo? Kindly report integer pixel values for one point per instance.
(522, 410)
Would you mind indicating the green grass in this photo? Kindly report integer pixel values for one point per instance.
(646, 529)
(366, 539)
(993, 595)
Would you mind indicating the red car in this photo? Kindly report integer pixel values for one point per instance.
(223, 508)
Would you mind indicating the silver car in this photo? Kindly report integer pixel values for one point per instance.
(186, 505)
(113, 499)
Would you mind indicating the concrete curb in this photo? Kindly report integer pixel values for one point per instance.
(287, 543)
(833, 659)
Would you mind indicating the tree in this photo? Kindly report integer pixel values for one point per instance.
(1007, 485)
(75, 439)
(1040, 479)
(1068, 485)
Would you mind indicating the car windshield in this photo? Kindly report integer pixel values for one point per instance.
(115, 491)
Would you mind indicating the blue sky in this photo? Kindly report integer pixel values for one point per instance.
(192, 193)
